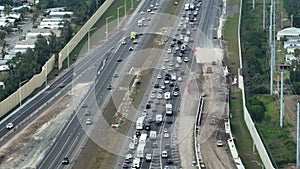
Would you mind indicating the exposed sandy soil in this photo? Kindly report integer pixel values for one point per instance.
(27, 148)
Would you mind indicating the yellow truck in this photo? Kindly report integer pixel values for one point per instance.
(133, 35)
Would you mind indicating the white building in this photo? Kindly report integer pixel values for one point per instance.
(59, 14)
(33, 33)
(290, 46)
(288, 32)
(51, 24)
(289, 58)
(58, 9)
(2, 8)
(20, 7)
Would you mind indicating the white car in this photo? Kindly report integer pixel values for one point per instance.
(142, 12)
(152, 96)
(165, 130)
(177, 65)
(170, 69)
(149, 10)
(166, 59)
(169, 51)
(176, 94)
(123, 42)
(171, 64)
(9, 125)
(164, 154)
(219, 143)
(158, 76)
(128, 156)
(166, 135)
(160, 90)
(179, 79)
(151, 5)
(152, 12)
(167, 81)
(88, 122)
(162, 86)
(159, 96)
(186, 59)
(163, 67)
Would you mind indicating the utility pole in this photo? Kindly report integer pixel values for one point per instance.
(271, 47)
(281, 102)
(125, 7)
(264, 15)
(253, 4)
(298, 136)
(292, 20)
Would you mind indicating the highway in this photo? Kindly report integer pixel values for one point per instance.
(52, 90)
(88, 70)
(208, 26)
(69, 142)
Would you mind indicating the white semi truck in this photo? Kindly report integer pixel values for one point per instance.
(140, 150)
(140, 123)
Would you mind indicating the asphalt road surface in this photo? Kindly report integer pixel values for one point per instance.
(69, 141)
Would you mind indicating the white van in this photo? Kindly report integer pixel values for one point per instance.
(136, 163)
(164, 154)
(167, 95)
(173, 77)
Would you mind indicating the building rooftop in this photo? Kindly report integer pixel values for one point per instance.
(292, 31)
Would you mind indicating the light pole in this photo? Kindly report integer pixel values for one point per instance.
(106, 28)
(118, 13)
(20, 92)
(125, 7)
(68, 52)
(89, 41)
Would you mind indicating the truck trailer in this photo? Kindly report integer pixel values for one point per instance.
(140, 123)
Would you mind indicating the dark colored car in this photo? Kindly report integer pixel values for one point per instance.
(170, 161)
(65, 161)
(148, 106)
(156, 86)
(127, 161)
(108, 87)
(138, 133)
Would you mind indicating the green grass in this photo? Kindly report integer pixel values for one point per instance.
(230, 35)
(280, 143)
(173, 9)
(234, 2)
(243, 140)
(140, 89)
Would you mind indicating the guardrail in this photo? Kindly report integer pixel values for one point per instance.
(196, 129)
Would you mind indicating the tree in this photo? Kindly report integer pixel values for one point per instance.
(297, 53)
(257, 112)
(54, 44)
(41, 50)
(4, 45)
(66, 32)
